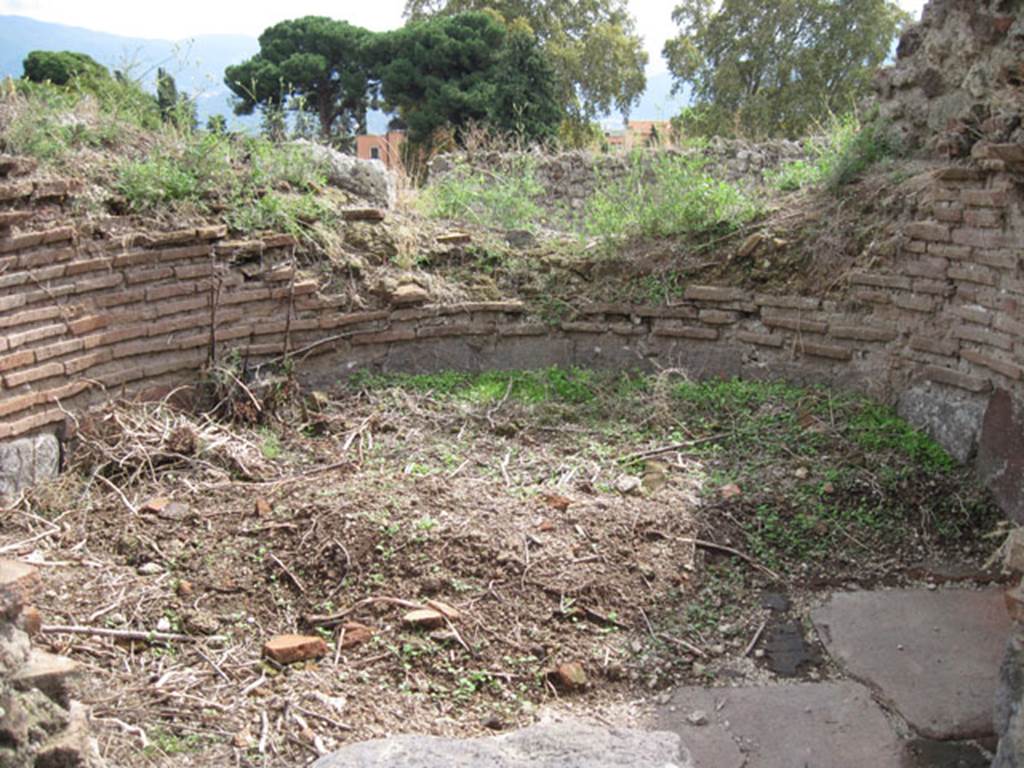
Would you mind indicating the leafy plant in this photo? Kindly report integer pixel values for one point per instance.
(665, 194)
(847, 149)
(506, 199)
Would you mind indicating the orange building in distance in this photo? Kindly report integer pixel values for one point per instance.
(387, 148)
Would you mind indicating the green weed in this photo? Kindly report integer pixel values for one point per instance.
(847, 149)
(505, 199)
(664, 195)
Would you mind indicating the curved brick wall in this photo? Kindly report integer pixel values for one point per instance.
(940, 328)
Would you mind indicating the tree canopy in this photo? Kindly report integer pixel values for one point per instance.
(313, 64)
(596, 54)
(525, 101)
(60, 67)
(777, 69)
(439, 72)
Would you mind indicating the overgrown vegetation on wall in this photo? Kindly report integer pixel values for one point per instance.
(113, 132)
(846, 149)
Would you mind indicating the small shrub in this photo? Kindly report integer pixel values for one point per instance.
(506, 199)
(847, 149)
(666, 194)
(61, 67)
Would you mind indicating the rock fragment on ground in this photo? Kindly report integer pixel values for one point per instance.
(289, 649)
(554, 745)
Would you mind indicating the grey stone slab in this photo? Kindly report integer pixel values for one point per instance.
(552, 745)
(933, 655)
(805, 725)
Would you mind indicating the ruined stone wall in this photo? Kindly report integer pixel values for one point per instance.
(958, 77)
(569, 179)
(939, 327)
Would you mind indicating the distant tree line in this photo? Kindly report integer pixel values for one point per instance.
(540, 69)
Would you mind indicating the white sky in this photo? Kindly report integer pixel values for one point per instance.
(181, 19)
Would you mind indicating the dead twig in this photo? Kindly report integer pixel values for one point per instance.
(753, 641)
(735, 553)
(121, 634)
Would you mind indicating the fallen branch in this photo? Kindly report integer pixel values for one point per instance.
(735, 553)
(684, 644)
(753, 641)
(633, 458)
(121, 634)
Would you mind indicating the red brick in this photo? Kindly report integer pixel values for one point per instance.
(116, 335)
(29, 316)
(718, 317)
(134, 277)
(30, 423)
(288, 649)
(193, 271)
(931, 267)
(930, 231)
(983, 217)
(761, 339)
(27, 375)
(45, 257)
(18, 403)
(862, 332)
(981, 238)
(713, 293)
(979, 335)
(16, 340)
(188, 252)
(951, 252)
(7, 303)
(984, 198)
(99, 283)
(972, 274)
(87, 324)
(787, 302)
(1009, 325)
(972, 313)
(59, 349)
(866, 296)
(932, 346)
(185, 305)
(17, 360)
(1001, 259)
(955, 379)
(880, 281)
(791, 323)
(524, 329)
(340, 321)
(134, 259)
(88, 265)
(826, 350)
(79, 364)
(64, 392)
(915, 246)
(684, 332)
(243, 297)
(170, 291)
(933, 287)
(914, 303)
(120, 298)
(1007, 369)
(948, 213)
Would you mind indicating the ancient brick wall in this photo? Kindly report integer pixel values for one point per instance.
(939, 327)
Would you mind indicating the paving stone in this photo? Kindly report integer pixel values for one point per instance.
(822, 725)
(550, 745)
(933, 655)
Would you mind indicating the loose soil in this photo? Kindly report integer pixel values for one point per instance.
(646, 529)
